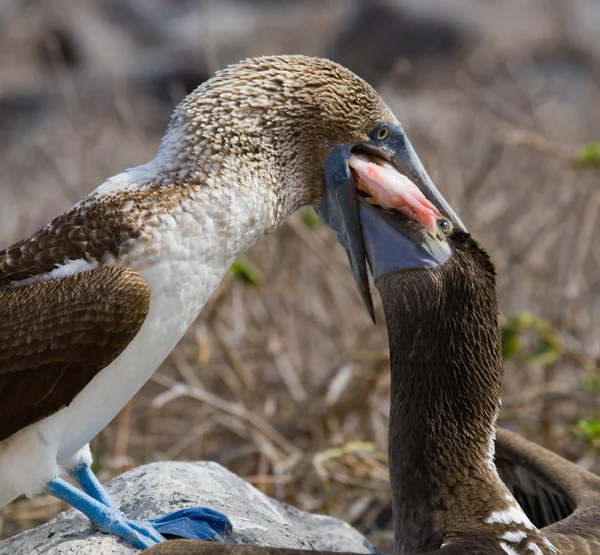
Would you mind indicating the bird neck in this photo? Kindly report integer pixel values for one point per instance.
(220, 139)
(447, 371)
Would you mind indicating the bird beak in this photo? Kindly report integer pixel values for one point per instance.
(385, 209)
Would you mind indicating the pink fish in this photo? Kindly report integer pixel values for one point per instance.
(390, 189)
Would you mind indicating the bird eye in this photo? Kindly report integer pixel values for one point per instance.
(444, 225)
(383, 133)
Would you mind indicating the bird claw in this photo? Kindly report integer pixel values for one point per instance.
(147, 530)
(137, 532)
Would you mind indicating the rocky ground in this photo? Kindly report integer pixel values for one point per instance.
(158, 489)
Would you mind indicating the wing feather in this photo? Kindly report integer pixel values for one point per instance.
(556, 494)
(55, 336)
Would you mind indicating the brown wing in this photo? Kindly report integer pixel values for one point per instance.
(556, 494)
(86, 231)
(57, 335)
(97, 225)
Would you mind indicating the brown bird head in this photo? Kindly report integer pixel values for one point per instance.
(300, 131)
(283, 112)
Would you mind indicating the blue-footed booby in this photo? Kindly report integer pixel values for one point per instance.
(92, 303)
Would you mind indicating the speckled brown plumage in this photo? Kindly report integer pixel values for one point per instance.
(257, 131)
(263, 124)
(57, 335)
(100, 229)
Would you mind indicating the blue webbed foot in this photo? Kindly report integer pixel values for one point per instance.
(199, 523)
(145, 529)
(196, 523)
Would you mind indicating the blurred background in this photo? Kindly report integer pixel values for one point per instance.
(283, 378)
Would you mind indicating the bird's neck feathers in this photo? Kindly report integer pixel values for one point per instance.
(228, 160)
(203, 186)
(447, 372)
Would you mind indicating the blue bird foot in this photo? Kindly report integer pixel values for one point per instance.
(199, 523)
(196, 523)
(107, 519)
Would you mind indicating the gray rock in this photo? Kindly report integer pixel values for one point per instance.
(160, 488)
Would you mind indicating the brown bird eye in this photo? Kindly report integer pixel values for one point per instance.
(383, 133)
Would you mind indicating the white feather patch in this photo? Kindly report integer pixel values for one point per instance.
(508, 549)
(514, 537)
(69, 268)
(512, 515)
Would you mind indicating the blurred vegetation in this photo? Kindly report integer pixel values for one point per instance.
(590, 155)
(589, 430)
(310, 218)
(246, 272)
(531, 339)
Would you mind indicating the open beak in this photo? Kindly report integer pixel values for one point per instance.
(385, 209)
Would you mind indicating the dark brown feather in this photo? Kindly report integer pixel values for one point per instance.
(55, 336)
(557, 495)
(446, 367)
(474, 546)
(445, 345)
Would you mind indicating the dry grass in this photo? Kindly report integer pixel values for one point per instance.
(287, 383)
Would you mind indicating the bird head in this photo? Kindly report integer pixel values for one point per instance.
(304, 131)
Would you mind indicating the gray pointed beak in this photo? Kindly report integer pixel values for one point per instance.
(402, 155)
(339, 210)
(400, 233)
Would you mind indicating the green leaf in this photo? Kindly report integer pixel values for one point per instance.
(522, 320)
(310, 218)
(512, 330)
(590, 383)
(588, 428)
(246, 272)
(589, 156)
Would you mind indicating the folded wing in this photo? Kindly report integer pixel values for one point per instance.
(55, 336)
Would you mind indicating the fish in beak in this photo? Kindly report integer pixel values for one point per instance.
(384, 207)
